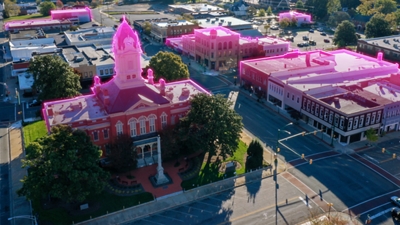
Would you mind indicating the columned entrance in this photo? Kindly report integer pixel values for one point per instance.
(146, 150)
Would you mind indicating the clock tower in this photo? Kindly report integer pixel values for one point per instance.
(127, 52)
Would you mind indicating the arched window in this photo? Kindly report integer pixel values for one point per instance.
(132, 125)
(230, 45)
(220, 46)
(163, 120)
(212, 45)
(225, 45)
(152, 123)
(142, 122)
(119, 126)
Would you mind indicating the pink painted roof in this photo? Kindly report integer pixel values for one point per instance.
(124, 30)
(69, 10)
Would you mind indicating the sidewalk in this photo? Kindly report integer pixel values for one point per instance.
(19, 205)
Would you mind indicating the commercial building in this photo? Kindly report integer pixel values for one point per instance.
(239, 8)
(45, 24)
(331, 90)
(229, 22)
(127, 104)
(172, 28)
(219, 48)
(27, 34)
(192, 8)
(389, 45)
(301, 18)
(94, 35)
(77, 15)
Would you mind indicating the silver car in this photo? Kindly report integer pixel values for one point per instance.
(395, 200)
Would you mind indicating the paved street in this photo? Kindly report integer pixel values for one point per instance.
(4, 174)
(380, 215)
(250, 204)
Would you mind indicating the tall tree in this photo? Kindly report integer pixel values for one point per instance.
(53, 78)
(337, 17)
(46, 7)
(255, 155)
(284, 23)
(10, 9)
(299, 4)
(269, 11)
(350, 3)
(333, 6)
(371, 7)
(261, 12)
(251, 10)
(63, 165)
(345, 34)
(169, 66)
(371, 135)
(59, 4)
(317, 8)
(122, 154)
(377, 27)
(211, 125)
(170, 143)
(393, 19)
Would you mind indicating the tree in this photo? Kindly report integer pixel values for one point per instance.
(170, 143)
(63, 165)
(211, 125)
(371, 135)
(255, 155)
(338, 17)
(393, 19)
(147, 27)
(251, 10)
(317, 7)
(169, 66)
(10, 9)
(371, 7)
(261, 12)
(345, 34)
(59, 4)
(299, 4)
(122, 154)
(333, 6)
(53, 78)
(269, 11)
(46, 7)
(284, 23)
(377, 27)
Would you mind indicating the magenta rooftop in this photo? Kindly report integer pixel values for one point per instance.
(306, 70)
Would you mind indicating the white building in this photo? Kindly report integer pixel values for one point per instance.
(94, 35)
(22, 50)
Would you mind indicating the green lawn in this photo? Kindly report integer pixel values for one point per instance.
(26, 17)
(34, 131)
(104, 202)
(210, 172)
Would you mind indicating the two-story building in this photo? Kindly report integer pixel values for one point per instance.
(388, 45)
(300, 18)
(127, 104)
(172, 28)
(218, 48)
(329, 89)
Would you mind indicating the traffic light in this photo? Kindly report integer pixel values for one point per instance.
(383, 150)
(303, 133)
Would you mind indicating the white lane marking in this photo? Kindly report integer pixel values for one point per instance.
(369, 157)
(305, 203)
(380, 214)
(307, 147)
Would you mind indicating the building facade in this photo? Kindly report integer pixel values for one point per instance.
(45, 24)
(219, 48)
(389, 45)
(77, 15)
(163, 30)
(301, 18)
(127, 104)
(331, 90)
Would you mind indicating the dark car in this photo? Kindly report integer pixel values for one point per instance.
(35, 103)
(396, 213)
(326, 40)
(312, 42)
(395, 200)
(323, 33)
(300, 45)
(305, 38)
(311, 30)
(95, 25)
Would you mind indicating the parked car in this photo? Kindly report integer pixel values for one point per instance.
(326, 40)
(305, 38)
(311, 30)
(305, 44)
(35, 103)
(312, 42)
(323, 33)
(395, 200)
(300, 44)
(396, 213)
(95, 25)
(274, 27)
(320, 29)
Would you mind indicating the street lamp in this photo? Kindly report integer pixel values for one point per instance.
(332, 135)
(25, 217)
(276, 169)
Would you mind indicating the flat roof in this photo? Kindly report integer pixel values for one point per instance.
(35, 22)
(90, 34)
(390, 42)
(198, 7)
(206, 23)
(74, 10)
(173, 23)
(27, 34)
(74, 57)
(96, 56)
(385, 90)
(307, 70)
(25, 80)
